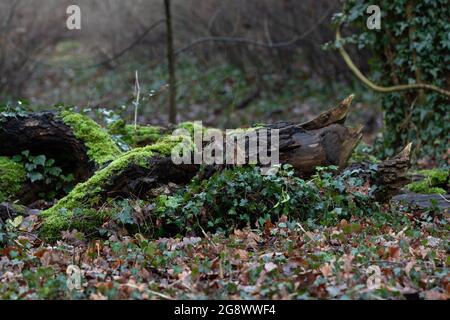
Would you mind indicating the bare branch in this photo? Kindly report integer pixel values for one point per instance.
(375, 87)
(245, 41)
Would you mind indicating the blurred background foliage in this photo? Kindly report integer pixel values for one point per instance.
(413, 46)
(232, 84)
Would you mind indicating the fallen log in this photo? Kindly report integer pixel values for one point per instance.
(47, 133)
(323, 141)
(103, 172)
(424, 201)
(80, 146)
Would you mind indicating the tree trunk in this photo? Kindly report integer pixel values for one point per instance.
(171, 63)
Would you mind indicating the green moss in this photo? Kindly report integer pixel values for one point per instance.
(191, 127)
(101, 148)
(12, 175)
(81, 219)
(425, 188)
(434, 182)
(135, 136)
(85, 197)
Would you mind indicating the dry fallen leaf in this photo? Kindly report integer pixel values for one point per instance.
(270, 266)
(326, 270)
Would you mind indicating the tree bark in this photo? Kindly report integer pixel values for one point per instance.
(424, 201)
(45, 133)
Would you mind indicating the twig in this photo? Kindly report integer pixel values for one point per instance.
(237, 40)
(137, 93)
(208, 237)
(160, 294)
(171, 63)
(445, 199)
(308, 234)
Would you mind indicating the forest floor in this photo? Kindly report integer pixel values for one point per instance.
(384, 256)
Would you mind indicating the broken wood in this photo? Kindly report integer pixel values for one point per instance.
(424, 201)
(392, 174)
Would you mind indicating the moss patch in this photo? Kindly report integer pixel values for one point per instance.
(435, 182)
(191, 127)
(81, 202)
(136, 136)
(101, 148)
(12, 175)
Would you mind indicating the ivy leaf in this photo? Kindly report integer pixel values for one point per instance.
(125, 216)
(68, 178)
(30, 166)
(173, 202)
(17, 158)
(16, 222)
(49, 162)
(54, 171)
(39, 160)
(35, 176)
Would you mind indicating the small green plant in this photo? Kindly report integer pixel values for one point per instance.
(364, 153)
(39, 169)
(13, 109)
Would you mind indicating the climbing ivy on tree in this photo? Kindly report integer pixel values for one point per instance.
(412, 46)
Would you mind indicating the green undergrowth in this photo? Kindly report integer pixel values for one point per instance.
(232, 198)
(101, 148)
(435, 181)
(12, 175)
(241, 196)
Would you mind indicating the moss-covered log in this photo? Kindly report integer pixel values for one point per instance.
(136, 135)
(78, 144)
(89, 150)
(130, 175)
(321, 142)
